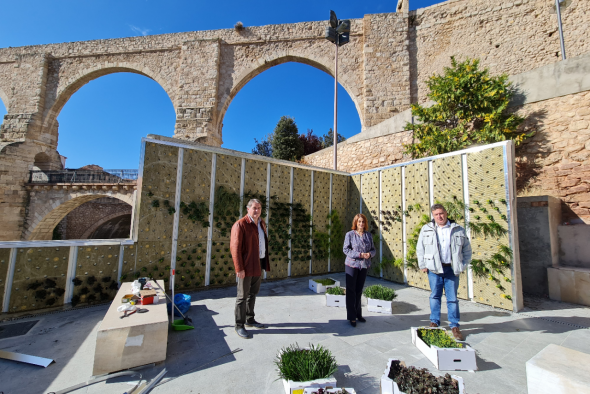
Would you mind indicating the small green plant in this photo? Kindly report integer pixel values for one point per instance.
(302, 365)
(379, 292)
(325, 282)
(438, 337)
(155, 203)
(336, 290)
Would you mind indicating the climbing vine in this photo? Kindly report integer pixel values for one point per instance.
(329, 243)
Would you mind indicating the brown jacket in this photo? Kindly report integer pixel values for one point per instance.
(244, 247)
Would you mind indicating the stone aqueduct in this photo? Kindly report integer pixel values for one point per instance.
(384, 69)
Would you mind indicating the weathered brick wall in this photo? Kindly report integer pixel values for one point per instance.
(88, 217)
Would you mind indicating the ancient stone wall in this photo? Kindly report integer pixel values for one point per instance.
(82, 221)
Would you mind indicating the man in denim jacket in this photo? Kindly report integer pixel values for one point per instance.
(444, 252)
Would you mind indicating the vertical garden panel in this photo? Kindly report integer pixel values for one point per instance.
(339, 221)
(354, 199)
(193, 223)
(391, 210)
(416, 206)
(97, 268)
(321, 210)
(448, 187)
(152, 259)
(39, 278)
(300, 234)
(156, 213)
(4, 260)
(278, 228)
(255, 182)
(370, 192)
(487, 193)
(129, 260)
(226, 208)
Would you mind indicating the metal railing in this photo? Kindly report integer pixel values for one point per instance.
(83, 176)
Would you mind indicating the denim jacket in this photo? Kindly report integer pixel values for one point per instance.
(354, 246)
(427, 250)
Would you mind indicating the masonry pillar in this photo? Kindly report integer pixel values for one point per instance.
(198, 78)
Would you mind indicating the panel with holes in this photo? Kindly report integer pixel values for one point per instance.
(4, 260)
(370, 191)
(417, 202)
(448, 187)
(300, 235)
(280, 191)
(340, 203)
(97, 268)
(391, 213)
(39, 278)
(158, 192)
(487, 193)
(321, 208)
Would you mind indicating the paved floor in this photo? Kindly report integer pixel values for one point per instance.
(200, 360)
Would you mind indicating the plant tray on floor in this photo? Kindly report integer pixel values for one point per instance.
(292, 387)
(336, 296)
(389, 386)
(300, 368)
(379, 306)
(448, 358)
(317, 286)
(380, 299)
(344, 390)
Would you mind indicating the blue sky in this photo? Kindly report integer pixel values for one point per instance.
(104, 121)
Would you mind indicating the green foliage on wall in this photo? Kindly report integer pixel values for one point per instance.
(329, 243)
(471, 108)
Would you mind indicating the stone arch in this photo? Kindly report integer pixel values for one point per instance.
(241, 79)
(52, 213)
(90, 230)
(42, 161)
(4, 99)
(74, 83)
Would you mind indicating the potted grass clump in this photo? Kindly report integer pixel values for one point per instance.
(399, 379)
(306, 367)
(443, 350)
(321, 285)
(379, 298)
(336, 296)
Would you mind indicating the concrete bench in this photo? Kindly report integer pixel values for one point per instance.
(558, 370)
(569, 284)
(136, 340)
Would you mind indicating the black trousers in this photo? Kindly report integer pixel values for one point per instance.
(247, 290)
(355, 281)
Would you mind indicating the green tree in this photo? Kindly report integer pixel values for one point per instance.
(286, 144)
(264, 147)
(328, 139)
(471, 107)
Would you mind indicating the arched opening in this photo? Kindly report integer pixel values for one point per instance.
(45, 228)
(302, 91)
(3, 106)
(102, 218)
(102, 121)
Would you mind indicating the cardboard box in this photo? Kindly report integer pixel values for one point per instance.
(379, 306)
(388, 386)
(311, 390)
(319, 288)
(292, 387)
(446, 359)
(336, 300)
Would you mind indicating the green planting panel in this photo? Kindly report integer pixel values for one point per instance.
(486, 182)
(354, 198)
(391, 202)
(228, 175)
(280, 190)
(39, 278)
(196, 188)
(4, 261)
(97, 268)
(300, 234)
(158, 187)
(417, 202)
(129, 260)
(370, 191)
(448, 186)
(152, 259)
(256, 177)
(321, 208)
(340, 184)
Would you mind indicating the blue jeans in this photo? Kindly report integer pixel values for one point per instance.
(450, 283)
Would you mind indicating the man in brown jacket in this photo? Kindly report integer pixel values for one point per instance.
(249, 250)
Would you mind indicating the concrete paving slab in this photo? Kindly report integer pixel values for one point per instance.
(200, 360)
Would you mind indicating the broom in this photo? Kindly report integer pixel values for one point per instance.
(179, 324)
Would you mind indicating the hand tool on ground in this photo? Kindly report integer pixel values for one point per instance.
(188, 323)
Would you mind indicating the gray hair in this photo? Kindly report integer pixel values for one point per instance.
(437, 206)
(252, 202)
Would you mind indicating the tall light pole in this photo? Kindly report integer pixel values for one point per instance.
(339, 33)
(558, 10)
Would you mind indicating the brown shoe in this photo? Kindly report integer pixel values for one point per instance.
(433, 324)
(457, 333)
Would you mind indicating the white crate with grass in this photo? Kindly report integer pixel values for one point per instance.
(446, 359)
(380, 299)
(389, 386)
(292, 387)
(320, 285)
(336, 300)
(341, 390)
(293, 363)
